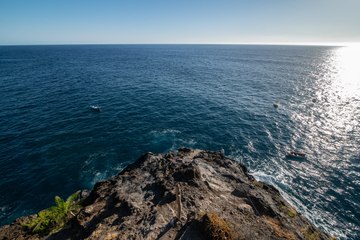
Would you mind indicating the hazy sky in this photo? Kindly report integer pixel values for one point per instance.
(178, 21)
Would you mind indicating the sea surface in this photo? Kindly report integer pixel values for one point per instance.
(161, 97)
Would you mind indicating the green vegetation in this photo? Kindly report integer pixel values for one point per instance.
(54, 218)
(289, 211)
(309, 234)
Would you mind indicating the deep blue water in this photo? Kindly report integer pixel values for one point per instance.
(161, 97)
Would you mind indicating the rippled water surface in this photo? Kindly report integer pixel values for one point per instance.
(161, 97)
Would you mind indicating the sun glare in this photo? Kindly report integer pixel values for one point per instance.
(347, 77)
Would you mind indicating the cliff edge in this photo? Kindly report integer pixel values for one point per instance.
(185, 194)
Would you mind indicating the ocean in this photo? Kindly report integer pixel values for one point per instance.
(156, 98)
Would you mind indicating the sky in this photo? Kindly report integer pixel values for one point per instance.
(27, 22)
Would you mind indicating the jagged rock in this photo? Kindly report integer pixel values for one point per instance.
(218, 200)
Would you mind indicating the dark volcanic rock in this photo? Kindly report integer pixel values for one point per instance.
(187, 194)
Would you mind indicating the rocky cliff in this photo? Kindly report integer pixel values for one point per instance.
(186, 194)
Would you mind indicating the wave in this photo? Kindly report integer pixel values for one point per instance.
(317, 216)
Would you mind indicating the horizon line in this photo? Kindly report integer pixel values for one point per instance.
(330, 44)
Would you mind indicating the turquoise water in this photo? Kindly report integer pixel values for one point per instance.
(161, 97)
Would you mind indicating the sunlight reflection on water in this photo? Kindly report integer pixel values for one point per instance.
(347, 80)
(323, 127)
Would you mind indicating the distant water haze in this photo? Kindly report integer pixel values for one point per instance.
(161, 97)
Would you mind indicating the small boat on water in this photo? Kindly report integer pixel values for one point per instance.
(95, 108)
(296, 155)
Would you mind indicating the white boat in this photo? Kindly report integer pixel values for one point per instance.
(95, 108)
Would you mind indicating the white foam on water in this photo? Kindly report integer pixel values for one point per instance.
(103, 175)
(3, 210)
(179, 142)
(319, 218)
(165, 131)
(172, 138)
(250, 146)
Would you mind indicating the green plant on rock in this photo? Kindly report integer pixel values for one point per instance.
(310, 234)
(54, 218)
(289, 211)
